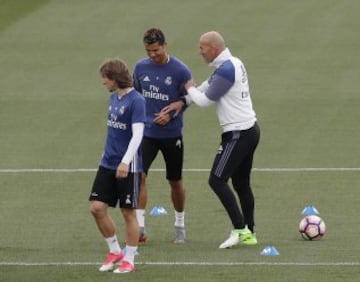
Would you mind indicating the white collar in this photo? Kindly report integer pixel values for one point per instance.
(126, 92)
(222, 57)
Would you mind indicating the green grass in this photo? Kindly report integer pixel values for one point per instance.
(302, 58)
(14, 10)
(49, 215)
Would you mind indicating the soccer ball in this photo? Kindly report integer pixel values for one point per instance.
(312, 227)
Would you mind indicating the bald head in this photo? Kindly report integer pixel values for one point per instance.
(211, 45)
(213, 38)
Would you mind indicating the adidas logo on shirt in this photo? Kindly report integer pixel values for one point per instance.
(146, 78)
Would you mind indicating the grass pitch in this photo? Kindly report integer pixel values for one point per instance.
(302, 59)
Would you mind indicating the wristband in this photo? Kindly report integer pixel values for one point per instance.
(183, 99)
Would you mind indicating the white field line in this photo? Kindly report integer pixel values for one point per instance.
(189, 263)
(76, 170)
(39, 170)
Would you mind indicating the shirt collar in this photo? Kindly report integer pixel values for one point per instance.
(222, 57)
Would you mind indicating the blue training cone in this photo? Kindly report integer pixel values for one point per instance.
(310, 210)
(158, 210)
(269, 251)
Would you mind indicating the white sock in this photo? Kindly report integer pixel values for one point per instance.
(180, 219)
(140, 216)
(130, 252)
(113, 244)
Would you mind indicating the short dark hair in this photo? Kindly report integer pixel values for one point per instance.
(154, 35)
(116, 69)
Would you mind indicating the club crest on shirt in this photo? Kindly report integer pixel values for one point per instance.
(122, 110)
(168, 80)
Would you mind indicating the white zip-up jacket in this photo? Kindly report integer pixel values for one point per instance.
(228, 88)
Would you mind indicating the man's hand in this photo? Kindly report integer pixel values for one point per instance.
(174, 106)
(122, 170)
(162, 118)
(178, 106)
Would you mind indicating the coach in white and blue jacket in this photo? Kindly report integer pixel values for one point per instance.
(228, 89)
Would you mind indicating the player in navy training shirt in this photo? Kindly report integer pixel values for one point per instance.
(118, 177)
(161, 78)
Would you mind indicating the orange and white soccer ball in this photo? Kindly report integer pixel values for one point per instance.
(312, 227)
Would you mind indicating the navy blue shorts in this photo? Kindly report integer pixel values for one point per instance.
(111, 190)
(172, 150)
